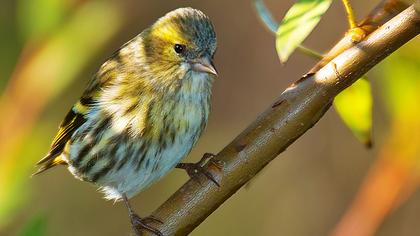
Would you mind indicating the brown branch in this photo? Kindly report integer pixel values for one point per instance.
(298, 108)
(383, 12)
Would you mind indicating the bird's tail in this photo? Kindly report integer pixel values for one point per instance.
(49, 161)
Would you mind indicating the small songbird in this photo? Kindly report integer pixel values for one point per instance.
(143, 111)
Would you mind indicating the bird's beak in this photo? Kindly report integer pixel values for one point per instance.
(204, 64)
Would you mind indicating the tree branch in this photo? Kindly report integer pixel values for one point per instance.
(297, 109)
(382, 13)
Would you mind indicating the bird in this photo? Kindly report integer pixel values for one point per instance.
(142, 111)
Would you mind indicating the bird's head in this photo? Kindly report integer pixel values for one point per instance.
(180, 42)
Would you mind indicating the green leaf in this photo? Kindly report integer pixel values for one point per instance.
(299, 21)
(266, 16)
(354, 106)
(36, 226)
(401, 83)
(39, 18)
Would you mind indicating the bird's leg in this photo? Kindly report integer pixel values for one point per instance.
(194, 169)
(140, 223)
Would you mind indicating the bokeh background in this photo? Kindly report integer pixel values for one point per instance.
(50, 48)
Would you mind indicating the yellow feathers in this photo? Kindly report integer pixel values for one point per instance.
(71, 122)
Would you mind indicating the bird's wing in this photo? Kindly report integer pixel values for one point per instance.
(73, 120)
(77, 115)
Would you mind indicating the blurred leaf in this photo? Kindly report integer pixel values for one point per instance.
(13, 189)
(299, 21)
(266, 16)
(354, 105)
(10, 43)
(401, 84)
(37, 226)
(40, 17)
(78, 42)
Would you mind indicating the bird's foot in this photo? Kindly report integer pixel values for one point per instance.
(139, 223)
(194, 169)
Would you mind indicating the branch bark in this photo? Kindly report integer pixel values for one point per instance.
(382, 13)
(297, 109)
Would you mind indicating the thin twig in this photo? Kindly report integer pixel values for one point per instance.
(350, 14)
(310, 52)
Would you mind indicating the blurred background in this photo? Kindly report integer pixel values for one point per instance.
(323, 183)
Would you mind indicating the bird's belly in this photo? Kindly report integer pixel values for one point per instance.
(122, 165)
(155, 164)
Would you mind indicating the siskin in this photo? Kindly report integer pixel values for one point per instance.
(143, 111)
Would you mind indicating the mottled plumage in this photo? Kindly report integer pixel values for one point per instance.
(143, 110)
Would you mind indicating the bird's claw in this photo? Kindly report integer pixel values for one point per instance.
(194, 169)
(139, 223)
(208, 158)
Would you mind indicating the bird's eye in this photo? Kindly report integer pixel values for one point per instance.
(179, 48)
